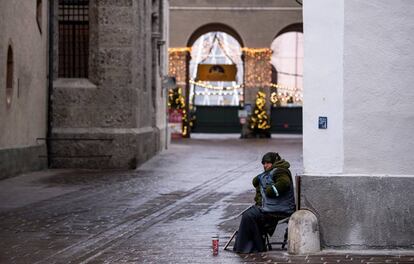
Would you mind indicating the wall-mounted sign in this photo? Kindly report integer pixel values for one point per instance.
(216, 72)
(323, 122)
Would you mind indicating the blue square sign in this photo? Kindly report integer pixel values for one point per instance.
(323, 122)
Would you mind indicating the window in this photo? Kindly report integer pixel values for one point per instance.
(9, 76)
(73, 38)
(39, 14)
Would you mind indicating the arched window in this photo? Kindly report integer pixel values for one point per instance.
(9, 76)
(287, 59)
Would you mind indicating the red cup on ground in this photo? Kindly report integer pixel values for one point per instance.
(215, 244)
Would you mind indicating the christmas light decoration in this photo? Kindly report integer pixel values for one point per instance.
(209, 86)
(256, 50)
(258, 70)
(179, 50)
(259, 121)
(177, 64)
(257, 74)
(216, 93)
(176, 101)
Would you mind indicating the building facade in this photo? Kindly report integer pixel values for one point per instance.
(359, 171)
(104, 106)
(113, 115)
(253, 26)
(23, 85)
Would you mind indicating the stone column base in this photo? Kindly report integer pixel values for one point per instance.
(103, 148)
(361, 212)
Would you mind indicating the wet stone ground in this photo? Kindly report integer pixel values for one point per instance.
(166, 211)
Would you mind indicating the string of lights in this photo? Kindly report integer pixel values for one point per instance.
(179, 50)
(215, 87)
(257, 74)
(238, 86)
(216, 93)
(257, 50)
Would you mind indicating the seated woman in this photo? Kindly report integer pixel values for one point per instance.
(274, 201)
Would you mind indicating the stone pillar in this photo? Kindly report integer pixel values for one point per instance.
(179, 59)
(359, 172)
(257, 77)
(257, 73)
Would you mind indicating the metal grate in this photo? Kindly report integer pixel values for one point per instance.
(73, 38)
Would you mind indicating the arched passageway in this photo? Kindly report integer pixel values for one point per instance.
(187, 28)
(214, 99)
(286, 89)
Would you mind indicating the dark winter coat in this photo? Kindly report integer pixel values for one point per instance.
(257, 221)
(274, 189)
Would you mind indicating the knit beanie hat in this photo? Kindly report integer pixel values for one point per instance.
(270, 157)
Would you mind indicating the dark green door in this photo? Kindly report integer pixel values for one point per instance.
(216, 119)
(286, 120)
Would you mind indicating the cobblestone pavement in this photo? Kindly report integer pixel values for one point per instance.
(166, 211)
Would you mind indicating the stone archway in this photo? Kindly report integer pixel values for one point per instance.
(242, 22)
(179, 60)
(215, 104)
(211, 28)
(287, 93)
(298, 27)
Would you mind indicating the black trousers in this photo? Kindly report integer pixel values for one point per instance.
(253, 226)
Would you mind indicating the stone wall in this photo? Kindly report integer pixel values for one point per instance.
(356, 212)
(116, 117)
(245, 17)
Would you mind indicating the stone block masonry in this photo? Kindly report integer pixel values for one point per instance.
(112, 119)
(361, 212)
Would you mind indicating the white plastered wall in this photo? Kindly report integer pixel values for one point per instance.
(323, 86)
(358, 72)
(379, 91)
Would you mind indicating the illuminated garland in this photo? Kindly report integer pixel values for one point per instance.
(176, 100)
(238, 86)
(179, 50)
(278, 98)
(209, 86)
(216, 93)
(257, 74)
(253, 51)
(177, 64)
(259, 121)
(284, 87)
(285, 94)
(258, 70)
